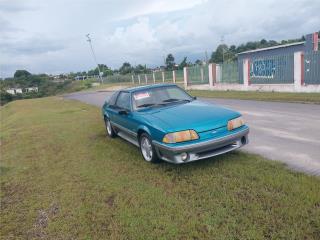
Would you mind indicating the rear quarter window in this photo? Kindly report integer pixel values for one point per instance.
(123, 101)
(113, 98)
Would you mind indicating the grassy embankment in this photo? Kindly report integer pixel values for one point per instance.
(61, 178)
(260, 96)
(244, 95)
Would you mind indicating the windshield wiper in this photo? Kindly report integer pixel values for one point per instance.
(150, 105)
(146, 105)
(171, 100)
(175, 100)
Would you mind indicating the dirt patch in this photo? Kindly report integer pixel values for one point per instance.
(110, 200)
(97, 136)
(42, 222)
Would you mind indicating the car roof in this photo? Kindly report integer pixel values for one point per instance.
(146, 87)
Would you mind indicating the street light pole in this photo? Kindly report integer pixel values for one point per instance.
(94, 56)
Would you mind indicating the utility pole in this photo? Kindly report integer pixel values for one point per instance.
(222, 43)
(94, 56)
(206, 56)
(164, 60)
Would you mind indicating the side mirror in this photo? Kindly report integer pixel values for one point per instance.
(123, 112)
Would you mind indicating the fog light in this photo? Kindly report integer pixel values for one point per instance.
(184, 156)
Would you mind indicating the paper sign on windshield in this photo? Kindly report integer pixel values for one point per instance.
(140, 96)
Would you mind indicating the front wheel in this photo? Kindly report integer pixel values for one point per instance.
(147, 149)
(110, 132)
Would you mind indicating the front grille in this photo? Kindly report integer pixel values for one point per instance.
(218, 150)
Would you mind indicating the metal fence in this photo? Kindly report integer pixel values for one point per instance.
(168, 77)
(312, 67)
(277, 69)
(198, 74)
(117, 78)
(179, 76)
(158, 77)
(230, 73)
(272, 69)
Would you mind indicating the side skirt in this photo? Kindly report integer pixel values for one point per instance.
(128, 138)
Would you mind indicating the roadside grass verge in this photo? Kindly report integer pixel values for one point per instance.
(260, 96)
(111, 85)
(61, 178)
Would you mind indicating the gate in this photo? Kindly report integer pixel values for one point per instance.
(312, 67)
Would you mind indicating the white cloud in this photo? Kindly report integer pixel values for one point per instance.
(50, 36)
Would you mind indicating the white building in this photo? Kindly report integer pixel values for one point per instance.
(31, 89)
(14, 91)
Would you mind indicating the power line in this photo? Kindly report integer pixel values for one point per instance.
(94, 55)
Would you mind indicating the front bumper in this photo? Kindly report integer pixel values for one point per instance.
(201, 150)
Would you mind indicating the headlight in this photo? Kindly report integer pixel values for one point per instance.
(235, 123)
(180, 136)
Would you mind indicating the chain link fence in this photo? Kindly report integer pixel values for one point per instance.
(198, 74)
(179, 76)
(230, 72)
(116, 78)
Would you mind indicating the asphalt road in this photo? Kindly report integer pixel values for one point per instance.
(288, 132)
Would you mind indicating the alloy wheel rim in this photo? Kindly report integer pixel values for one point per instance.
(146, 149)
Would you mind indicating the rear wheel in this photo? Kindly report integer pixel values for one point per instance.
(147, 149)
(110, 132)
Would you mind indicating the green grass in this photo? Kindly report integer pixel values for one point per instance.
(61, 178)
(260, 96)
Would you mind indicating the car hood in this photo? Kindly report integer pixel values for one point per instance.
(196, 115)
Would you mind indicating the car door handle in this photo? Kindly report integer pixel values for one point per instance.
(123, 112)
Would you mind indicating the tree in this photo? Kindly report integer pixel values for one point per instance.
(125, 68)
(263, 42)
(103, 68)
(140, 69)
(21, 73)
(233, 49)
(183, 63)
(218, 55)
(198, 62)
(170, 62)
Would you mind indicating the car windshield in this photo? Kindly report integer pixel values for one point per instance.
(159, 96)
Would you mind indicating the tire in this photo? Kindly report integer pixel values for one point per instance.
(147, 150)
(110, 132)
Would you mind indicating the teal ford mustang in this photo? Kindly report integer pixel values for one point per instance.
(167, 123)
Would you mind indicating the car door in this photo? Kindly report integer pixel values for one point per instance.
(123, 115)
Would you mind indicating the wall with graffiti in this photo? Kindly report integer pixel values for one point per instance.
(272, 70)
(275, 65)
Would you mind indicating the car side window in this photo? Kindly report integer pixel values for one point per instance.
(123, 101)
(113, 99)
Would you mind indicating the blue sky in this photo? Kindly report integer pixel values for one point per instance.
(49, 36)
